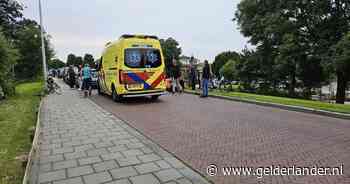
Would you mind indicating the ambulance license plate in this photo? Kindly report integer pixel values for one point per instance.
(135, 86)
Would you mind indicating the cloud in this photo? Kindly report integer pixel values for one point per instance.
(203, 28)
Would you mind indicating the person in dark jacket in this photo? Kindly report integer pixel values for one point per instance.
(205, 78)
(193, 77)
(71, 76)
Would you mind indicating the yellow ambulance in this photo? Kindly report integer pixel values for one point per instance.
(132, 66)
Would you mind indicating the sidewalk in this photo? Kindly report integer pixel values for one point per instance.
(80, 143)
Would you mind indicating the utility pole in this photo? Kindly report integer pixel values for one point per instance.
(43, 44)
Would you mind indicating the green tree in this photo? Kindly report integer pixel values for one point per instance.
(89, 59)
(248, 68)
(8, 58)
(171, 50)
(292, 37)
(341, 52)
(28, 42)
(229, 70)
(333, 23)
(55, 64)
(222, 58)
(262, 23)
(10, 14)
(71, 59)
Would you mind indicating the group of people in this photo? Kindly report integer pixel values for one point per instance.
(177, 79)
(84, 75)
(174, 73)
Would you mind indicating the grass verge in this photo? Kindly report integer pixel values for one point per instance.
(286, 101)
(17, 115)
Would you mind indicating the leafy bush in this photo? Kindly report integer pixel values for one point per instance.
(8, 58)
(229, 70)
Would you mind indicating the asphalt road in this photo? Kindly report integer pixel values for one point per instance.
(213, 131)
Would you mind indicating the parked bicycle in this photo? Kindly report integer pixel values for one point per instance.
(53, 87)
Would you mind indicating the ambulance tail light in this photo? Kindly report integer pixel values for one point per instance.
(123, 78)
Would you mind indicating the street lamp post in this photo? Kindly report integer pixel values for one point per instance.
(43, 44)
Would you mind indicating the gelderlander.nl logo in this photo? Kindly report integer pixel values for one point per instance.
(260, 172)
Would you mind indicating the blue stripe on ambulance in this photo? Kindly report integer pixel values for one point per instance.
(139, 80)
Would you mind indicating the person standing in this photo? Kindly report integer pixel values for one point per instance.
(205, 78)
(86, 76)
(222, 82)
(193, 77)
(199, 79)
(175, 76)
(71, 76)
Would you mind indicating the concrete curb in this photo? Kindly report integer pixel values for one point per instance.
(35, 147)
(280, 106)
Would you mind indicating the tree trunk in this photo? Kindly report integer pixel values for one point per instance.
(341, 88)
(293, 82)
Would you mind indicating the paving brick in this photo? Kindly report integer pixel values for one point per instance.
(147, 168)
(132, 152)
(45, 167)
(112, 156)
(174, 162)
(103, 144)
(183, 181)
(163, 164)
(128, 161)
(121, 142)
(97, 178)
(75, 155)
(52, 176)
(146, 150)
(62, 150)
(84, 147)
(91, 141)
(149, 157)
(167, 175)
(45, 152)
(123, 172)
(122, 181)
(77, 180)
(193, 176)
(79, 171)
(117, 148)
(149, 179)
(135, 145)
(72, 143)
(96, 152)
(89, 160)
(104, 166)
(50, 146)
(64, 164)
(51, 158)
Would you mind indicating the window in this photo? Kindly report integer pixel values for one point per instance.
(142, 58)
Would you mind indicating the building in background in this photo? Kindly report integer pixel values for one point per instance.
(185, 60)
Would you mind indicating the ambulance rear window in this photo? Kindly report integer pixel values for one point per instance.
(142, 58)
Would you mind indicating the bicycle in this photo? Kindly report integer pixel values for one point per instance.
(53, 87)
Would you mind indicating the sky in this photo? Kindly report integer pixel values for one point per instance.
(203, 28)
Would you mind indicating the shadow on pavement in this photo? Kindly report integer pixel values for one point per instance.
(132, 101)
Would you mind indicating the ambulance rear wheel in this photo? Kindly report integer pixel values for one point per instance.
(99, 88)
(115, 96)
(155, 97)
